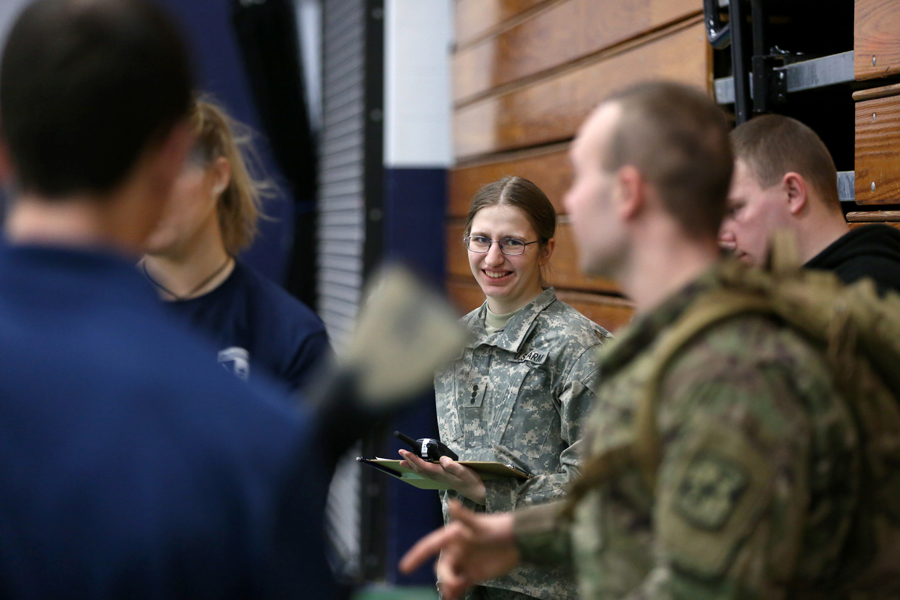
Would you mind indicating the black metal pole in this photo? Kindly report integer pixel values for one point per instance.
(740, 59)
(758, 62)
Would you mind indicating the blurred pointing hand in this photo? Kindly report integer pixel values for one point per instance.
(475, 547)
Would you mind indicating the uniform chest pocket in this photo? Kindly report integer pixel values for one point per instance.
(446, 389)
(521, 380)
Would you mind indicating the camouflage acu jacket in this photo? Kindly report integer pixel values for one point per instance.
(519, 396)
(759, 470)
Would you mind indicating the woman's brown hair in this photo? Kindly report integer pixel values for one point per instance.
(240, 205)
(522, 194)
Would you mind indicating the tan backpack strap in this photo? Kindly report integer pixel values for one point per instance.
(595, 472)
(709, 310)
(784, 252)
(644, 452)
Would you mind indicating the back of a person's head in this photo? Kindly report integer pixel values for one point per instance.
(677, 138)
(773, 145)
(85, 87)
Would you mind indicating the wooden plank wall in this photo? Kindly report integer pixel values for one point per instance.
(876, 55)
(525, 75)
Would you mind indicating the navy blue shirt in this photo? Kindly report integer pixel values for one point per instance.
(130, 464)
(255, 324)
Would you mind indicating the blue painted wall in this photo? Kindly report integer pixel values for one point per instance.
(414, 207)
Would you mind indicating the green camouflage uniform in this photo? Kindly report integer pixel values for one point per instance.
(519, 396)
(758, 475)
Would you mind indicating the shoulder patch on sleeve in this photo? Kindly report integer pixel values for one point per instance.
(710, 498)
(710, 490)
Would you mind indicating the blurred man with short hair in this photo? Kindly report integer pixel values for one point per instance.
(785, 179)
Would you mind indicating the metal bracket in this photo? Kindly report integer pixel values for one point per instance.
(806, 75)
(769, 83)
(717, 32)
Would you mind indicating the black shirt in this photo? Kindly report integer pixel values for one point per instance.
(869, 251)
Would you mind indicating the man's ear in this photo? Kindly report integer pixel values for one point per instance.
(795, 187)
(632, 192)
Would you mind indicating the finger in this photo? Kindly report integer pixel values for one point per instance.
(424, 549)
(450, 465)
(416, 464)
(452, 587)
(413, 459)
(460, 513)
(452, 580)
(457, 470)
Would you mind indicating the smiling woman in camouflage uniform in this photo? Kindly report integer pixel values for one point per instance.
(518, 392)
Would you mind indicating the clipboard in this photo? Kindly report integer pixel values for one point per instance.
(487, 469)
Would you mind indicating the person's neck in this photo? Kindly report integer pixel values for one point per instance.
(190, 273)
(662, 263)
(82, 221)
(504, 306)
(818, 231)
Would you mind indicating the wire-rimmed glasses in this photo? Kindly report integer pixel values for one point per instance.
(508, 246)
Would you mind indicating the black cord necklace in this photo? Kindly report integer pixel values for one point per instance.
(196, 288)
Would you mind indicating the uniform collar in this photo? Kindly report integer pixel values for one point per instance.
(511, 337)
(644, 330)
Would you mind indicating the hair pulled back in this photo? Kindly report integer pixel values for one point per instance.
(240, 205)
(520, 193)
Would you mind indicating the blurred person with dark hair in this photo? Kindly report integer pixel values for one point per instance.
(785, 178)
(132, 465)
(191, 259)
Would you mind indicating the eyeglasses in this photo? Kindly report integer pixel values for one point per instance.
(508, 246)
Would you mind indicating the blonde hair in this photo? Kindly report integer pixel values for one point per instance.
(240, 205)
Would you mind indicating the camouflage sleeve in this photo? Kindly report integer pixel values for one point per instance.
(576, 396)
(732, 488)
(541, 537)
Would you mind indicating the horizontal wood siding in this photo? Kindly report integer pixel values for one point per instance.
(551, 110)
(548, 168)
(526, 74)
(878, 151)
(552, 39)
(478, 18)
(876, 38)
